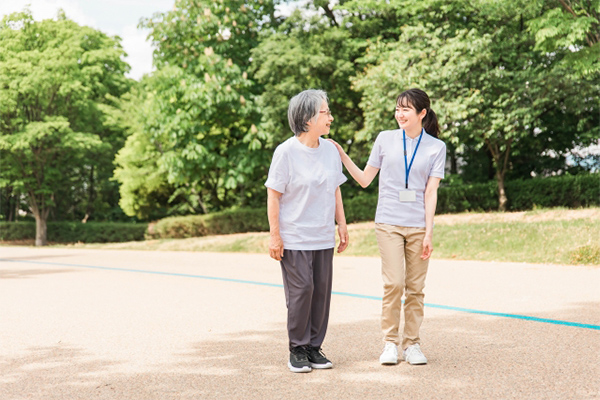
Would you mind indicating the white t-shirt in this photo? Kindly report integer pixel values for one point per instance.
(388, 156)
(307, 179)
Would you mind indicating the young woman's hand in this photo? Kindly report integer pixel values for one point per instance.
(338, 147)
(427, 248)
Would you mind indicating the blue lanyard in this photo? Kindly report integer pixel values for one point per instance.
(409, 166)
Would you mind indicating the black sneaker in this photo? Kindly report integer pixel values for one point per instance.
(317, 359)
(299, 360)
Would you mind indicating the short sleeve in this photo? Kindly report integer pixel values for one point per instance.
(439, 163)
(340, 178)
(376, 157)
(279, 176)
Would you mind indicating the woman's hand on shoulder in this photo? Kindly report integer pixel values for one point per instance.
(337, 146)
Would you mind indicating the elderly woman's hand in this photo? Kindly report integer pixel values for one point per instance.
(276, 247)
(343, 232)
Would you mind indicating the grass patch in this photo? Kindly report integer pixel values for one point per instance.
(555, 236)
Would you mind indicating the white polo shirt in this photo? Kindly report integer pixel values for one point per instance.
(388, 156)
(307, 178)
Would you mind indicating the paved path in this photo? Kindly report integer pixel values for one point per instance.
(93, 324)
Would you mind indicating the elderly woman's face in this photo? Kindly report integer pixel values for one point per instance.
(324, 120)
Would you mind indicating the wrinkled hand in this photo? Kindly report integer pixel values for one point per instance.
(276, 247)
(344, 238)
(338, 147)
(427, 248)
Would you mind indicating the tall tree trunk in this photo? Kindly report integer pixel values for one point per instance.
(41, 231)
(502, 199)
(40, 212)
(91, 197)
(501, 164)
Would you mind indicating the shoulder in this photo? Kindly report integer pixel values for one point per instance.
(435, 143)
(327, 145)
(285, 147)
(386, 136)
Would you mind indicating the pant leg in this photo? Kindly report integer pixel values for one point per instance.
(321, 298)
(391, 248)
(296, 268)
(416, 272)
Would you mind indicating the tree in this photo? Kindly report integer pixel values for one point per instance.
(200, 117)
(571, 27)
(490, 86)
(54, 79)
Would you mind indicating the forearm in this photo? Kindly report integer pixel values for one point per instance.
(430, 206)
(340, 216)
(364, 178)
(273, 213)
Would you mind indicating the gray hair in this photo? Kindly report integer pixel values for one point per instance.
(303, 108)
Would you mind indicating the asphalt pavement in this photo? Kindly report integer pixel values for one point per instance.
(102, 324)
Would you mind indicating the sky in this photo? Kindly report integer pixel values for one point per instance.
(114, 17)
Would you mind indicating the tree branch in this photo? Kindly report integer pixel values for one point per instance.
(329, 14)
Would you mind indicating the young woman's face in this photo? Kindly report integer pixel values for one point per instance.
(407, 116)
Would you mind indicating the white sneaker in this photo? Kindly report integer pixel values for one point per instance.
(413, 355)
(389, 354)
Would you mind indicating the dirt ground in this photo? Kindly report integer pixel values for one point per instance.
(119, 324)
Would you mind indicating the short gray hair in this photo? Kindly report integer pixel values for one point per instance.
(304, 107)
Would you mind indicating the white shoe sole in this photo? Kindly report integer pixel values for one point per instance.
(321, 366)
(415, 362)
(301, 370)
(388, 362)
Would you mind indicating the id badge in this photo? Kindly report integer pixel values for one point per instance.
(408, 195)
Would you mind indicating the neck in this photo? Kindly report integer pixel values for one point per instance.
(308, 139)
(413, 132)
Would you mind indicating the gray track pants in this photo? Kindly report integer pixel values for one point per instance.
(307, 277)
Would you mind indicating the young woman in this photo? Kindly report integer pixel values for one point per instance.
(304, 201)
(411, 160)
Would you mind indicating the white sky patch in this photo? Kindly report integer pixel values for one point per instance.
(113, 17)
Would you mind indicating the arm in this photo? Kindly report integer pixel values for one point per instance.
(340, 217)
(364, 178)
(430, 204)
(275, 242)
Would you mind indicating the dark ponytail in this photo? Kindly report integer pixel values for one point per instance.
(419, 100)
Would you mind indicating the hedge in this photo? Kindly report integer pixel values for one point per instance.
(571, 191)
(73, 232)
(224, 222)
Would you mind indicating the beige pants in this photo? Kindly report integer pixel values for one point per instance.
(403, 271)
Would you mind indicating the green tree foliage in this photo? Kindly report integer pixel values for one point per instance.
(492, 89)
(198, 122)
(55, 77)
(571, 27)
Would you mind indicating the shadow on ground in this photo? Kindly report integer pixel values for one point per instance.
(470, 357)
(30, 273)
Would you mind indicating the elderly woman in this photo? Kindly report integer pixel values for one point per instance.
(304, 201)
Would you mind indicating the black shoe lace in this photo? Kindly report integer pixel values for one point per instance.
(300, 352)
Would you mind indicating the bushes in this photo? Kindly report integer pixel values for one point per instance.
(72, 232)
(230, 221)
(17, 230)
(571, 191)
(563, 191)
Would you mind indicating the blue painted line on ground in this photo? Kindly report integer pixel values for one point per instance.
(355, 295)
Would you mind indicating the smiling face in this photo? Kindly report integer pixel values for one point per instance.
(407, 116)
(322, 123)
